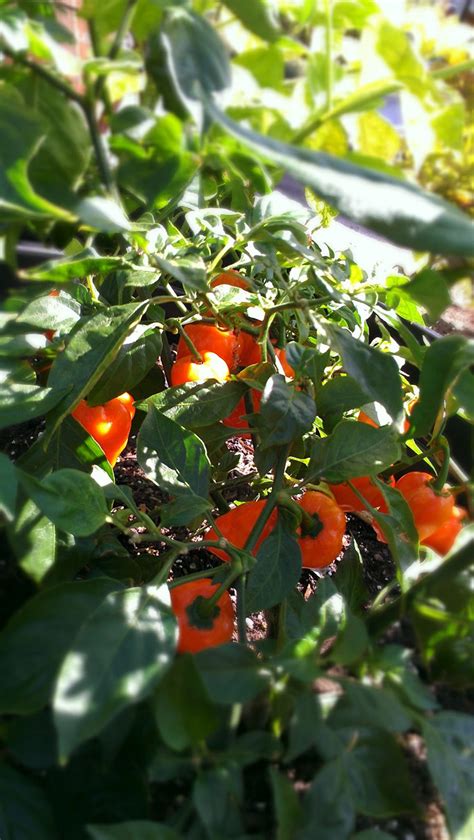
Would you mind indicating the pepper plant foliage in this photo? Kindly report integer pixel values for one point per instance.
(151, 165)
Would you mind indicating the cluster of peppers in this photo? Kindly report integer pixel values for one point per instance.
(322, 518)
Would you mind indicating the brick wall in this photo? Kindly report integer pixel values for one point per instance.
(67, 15)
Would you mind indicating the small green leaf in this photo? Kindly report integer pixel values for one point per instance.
(25, 812)
(276, 572)
(183, 710)
(138, 829)
(116, 659)
(285, 413)
(231, 673)
(256, 16)
(33, 540)
(195, 405)
(69, 498)
(376, 372)
(197, 59)
(287, 806)
(8, 487)
(34, 643)
(173, 457)
(20, 402)
(449, 737)
(353, 449)
(444, 362)
(339, 395)
(80, 265)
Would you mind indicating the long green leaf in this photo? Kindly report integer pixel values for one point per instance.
(399, 211)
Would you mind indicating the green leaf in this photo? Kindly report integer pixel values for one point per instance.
(376, 372)
(428, 288)
(136, 829)
(231, 673)
(33, 539)
(69, 498)
(25, 813)
(449, 737)
(8, 487)
(377, 138)
(359, 781)
(117, 658)
(339, 395)
(51, 313)
(328, 808)
(287, 807)
(190, 271)
(353, 449)
(285, 413)
(276, 572)
(102, 214)
(173, 457)
(256, 16)
(217, 797)
(80, 265)
(21, 133)
(196, 58)
(70, 446)
(366, 705)
(183, 710)
(155, 181)
(93, 346)
(21, 403)
(398, 528)
(399, 211)
(137, 355)
(60, 162)
(34, 643)
(394, 46)
(349, 579)
(463, 390)
(195, 405)
(443, 363)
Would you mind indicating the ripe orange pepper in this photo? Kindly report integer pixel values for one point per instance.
(230, 278)
(443, 539)
(208, 338)
(430, 511)
(364, 418)
(199, 634)
(187, 369)
(347, 499)
(237, 524)
(321, 550)
(108, 424)
(127, 400)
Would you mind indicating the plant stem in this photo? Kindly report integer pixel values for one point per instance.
(189, 344)
(241, 616)
(45, 74)
(100, 152)
(329, 45)
(204, 573)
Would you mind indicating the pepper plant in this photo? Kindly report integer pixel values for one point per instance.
(149, 169)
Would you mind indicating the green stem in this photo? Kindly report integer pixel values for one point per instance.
(241, 612)
(189, 344)
(204, 573)
(100, 151)
(207, 608)
(168, 558)
(329, 59)
(272, 499)
(166, 359)
(45, 74)
(442, 477)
